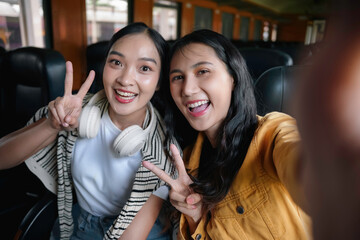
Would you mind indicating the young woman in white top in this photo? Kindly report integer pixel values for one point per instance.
(95, 144)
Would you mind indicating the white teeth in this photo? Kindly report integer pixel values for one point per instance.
(193, 105)
(125, 94)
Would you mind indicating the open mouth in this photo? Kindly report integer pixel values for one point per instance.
(125, 95)
(198, 106)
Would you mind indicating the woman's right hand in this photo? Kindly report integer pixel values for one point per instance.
(64, 112)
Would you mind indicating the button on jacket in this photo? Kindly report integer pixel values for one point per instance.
(261, 201)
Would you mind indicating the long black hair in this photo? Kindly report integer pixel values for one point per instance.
(216, 175)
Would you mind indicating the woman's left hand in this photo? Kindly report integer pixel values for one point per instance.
(181, 195)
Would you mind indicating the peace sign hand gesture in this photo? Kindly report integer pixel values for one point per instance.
(64, 111)
(181, 195)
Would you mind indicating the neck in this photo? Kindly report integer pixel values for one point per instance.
(211, 138)
(124, 121)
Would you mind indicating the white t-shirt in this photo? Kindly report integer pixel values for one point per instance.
(103, 182)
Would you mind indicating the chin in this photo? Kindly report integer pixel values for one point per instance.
(198, 127)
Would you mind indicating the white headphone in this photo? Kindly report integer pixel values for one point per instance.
(129, 141)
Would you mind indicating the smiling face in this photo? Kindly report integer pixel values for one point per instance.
(130, 77)
(201, 87)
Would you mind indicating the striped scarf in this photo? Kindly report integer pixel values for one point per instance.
(52, 166)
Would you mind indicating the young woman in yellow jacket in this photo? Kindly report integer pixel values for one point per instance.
(240, 178)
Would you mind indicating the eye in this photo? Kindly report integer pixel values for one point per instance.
(177, 77)
(145, 68)
(202, 71)
(115, 62)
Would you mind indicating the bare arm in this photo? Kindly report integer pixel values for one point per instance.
(144, 220)
(64, 112)
(21, 144)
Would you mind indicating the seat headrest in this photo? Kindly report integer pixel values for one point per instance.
(274, 89)
(36, 67)
(31, 78)
(259, 60)
(95, 60)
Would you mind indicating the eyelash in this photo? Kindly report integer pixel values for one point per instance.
(198, 73)
(178, 77)
(202, 72)
(148, 68)
(116, 62)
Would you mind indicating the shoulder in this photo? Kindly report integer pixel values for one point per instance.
(275, 117)
(276, 127)
(275, 120)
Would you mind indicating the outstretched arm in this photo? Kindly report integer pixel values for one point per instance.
(144, 220)
(64, 112)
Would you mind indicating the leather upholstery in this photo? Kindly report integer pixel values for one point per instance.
(95, 58)
(274, 89)
(259, 60)
(32, 78)
(33, 224)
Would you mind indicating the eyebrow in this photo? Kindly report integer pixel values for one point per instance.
(116, 53)
(148, 59)
(193, 66)
(143, 58)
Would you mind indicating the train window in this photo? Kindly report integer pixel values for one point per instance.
(244, 28)
(203, 18)
(21, 23)
(266, 31)
(274, 32)
(166, 19)
(227, 24)
(104, 18)
(315, 31)
(257, 30)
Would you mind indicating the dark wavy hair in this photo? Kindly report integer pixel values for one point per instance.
(217, 174)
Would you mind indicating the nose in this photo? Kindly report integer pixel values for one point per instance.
(189, 87)
(126, 77)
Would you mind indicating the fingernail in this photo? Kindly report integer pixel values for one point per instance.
(65, 124)
(190, 200)
(193, 206)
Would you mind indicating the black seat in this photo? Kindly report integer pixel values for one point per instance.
(95, 59)
(259, 60)
(297, 50)
(38, 222)
(31, 77)
(274, 89)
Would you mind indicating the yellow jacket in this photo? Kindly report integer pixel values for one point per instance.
(258, 204)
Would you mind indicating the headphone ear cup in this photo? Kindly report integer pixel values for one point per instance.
(130, 141)
(89, 122)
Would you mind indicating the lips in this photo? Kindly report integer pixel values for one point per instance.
(124, 96)
(198, 108)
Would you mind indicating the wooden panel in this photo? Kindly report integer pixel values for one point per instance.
(69, 34)
(143, 11)
(292, 31)
(217, 21)
(236, 30)
(204, 3)
(187, 18)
